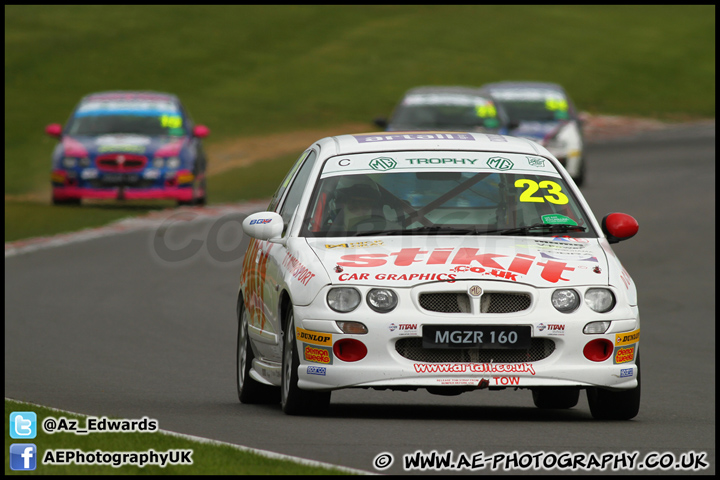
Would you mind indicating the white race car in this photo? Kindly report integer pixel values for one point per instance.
(441, 260)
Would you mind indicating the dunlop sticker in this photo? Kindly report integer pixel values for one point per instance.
(316, 338)
(627, 338)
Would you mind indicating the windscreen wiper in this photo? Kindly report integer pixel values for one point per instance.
(543, 227)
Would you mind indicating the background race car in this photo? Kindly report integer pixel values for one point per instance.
(544, 113)
(445, 108)
(129, 145)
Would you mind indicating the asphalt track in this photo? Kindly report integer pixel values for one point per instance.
(138, 324)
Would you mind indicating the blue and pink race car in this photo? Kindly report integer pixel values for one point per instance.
(129, 145)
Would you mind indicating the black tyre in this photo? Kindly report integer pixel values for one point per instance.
(555, 397)
(295, 401)
(613, 404)
(202, 200)
(249, 389)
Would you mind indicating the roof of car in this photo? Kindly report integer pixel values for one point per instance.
(131, 95)
(456, 89)
(424, 140)
(518, 85)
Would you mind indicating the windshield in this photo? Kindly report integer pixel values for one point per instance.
(533, 105)
(445, 112)
(152, 118)
(443, 193)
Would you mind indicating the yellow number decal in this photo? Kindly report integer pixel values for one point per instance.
(556, 104)
(487, 110)
(527, 195)
(171, 121)
(554, 191)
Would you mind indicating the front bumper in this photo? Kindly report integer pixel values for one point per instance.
(396, 359)
(127, 193)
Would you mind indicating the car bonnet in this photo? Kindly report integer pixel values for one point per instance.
(407, 261)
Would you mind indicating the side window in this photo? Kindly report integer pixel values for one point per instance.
(299, 184)
(286, 181)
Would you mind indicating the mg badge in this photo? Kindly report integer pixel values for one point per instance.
(475, 290)
(121, 160)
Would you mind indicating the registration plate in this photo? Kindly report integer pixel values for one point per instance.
(120, 178)
(476, 336)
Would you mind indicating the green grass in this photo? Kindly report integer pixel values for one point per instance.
(247, 70)
(207, 458)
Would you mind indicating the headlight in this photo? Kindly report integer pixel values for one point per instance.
(382, 300)
(565, 300)
(158, 162)
(85, 162)
(69, 162)
(173, 162)
(594, 328)
(600, 299)
(343, 299)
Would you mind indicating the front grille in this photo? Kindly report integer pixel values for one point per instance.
(121, 162)
(491, 302)
(412, 349)
(445, 302)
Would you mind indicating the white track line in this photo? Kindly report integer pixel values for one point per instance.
(149, 221)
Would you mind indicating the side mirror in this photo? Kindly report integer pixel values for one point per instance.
(54, 130)
(619, 226)
(263, 226)
(201, 131)
(381, 122)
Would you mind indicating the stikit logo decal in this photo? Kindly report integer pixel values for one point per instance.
(315, 338)
(627, 338)
(624, 354)
(490, 264)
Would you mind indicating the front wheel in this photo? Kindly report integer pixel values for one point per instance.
(249, 389)
(615, 405)
(294, 400)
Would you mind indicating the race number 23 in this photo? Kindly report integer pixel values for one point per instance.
(553, 190)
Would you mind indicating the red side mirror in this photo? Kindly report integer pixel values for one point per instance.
(201, 131)
(54, 130)
(619, 226)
